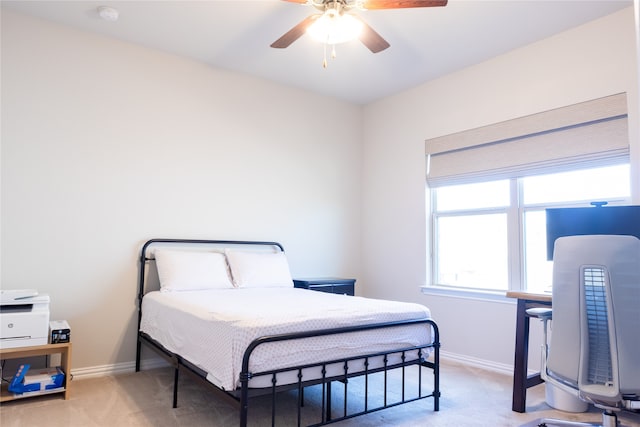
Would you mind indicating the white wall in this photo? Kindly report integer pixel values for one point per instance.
(107, 144)
(590, 61)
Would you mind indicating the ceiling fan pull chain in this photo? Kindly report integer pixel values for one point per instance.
(324, 61)
(333, 54)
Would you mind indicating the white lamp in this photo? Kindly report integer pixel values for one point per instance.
(333, 28)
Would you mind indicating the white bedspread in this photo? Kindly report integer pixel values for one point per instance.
(212, 328)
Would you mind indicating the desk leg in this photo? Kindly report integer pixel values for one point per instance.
(519, 400)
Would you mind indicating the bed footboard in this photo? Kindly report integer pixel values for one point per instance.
(362, 366)
(404, 357)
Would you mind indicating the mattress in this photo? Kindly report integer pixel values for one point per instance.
(212, 328)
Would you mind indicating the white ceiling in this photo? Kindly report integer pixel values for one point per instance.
(426, 43)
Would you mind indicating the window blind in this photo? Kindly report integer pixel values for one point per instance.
(589, 134)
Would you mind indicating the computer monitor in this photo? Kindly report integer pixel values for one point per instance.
(618, 220)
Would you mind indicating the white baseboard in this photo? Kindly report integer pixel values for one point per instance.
(118, 368)
(489, 365)
(502, 368)
(128, 367)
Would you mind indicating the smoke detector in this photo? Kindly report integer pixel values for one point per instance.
(108, 13)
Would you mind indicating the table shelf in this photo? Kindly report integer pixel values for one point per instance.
(64, 349)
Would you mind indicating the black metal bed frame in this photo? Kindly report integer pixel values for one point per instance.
(242, 395)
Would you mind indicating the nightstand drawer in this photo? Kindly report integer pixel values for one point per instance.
(344, 289)
(327, 284)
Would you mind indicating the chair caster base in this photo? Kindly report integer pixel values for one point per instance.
(609, 419)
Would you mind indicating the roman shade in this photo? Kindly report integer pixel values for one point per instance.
(591, 133)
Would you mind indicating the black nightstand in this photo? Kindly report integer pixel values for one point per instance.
(332, 285)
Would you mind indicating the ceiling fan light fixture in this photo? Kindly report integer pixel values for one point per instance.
(334, 28)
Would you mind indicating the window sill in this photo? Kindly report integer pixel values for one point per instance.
(469, 294)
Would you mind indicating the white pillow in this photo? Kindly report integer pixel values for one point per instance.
(190, 270)
(259, 269)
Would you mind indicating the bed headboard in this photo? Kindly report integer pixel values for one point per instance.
(147, 255)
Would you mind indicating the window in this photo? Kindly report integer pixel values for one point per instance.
(470, 235)
(492, 235)
(490, 186)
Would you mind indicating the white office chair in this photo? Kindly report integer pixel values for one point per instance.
(594, 349)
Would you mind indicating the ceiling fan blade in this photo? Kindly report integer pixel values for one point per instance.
(401, 4)
(371, 39)
(295, 33)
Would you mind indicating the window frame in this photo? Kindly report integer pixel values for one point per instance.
(516, 263)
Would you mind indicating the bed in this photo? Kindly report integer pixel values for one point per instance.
(227, 312)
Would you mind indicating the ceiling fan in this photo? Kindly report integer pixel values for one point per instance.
(333, 10)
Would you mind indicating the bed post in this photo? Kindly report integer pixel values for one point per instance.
(143, 261)
(244, 398)
(176, 373)
(436, 367)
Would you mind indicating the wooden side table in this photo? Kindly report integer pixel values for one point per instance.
(64, 349)
(332, 285)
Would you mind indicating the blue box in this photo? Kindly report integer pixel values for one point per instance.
(47, 379)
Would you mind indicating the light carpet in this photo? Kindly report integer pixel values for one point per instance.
(470, 397)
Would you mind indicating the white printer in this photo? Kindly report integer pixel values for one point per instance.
(24, 318)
